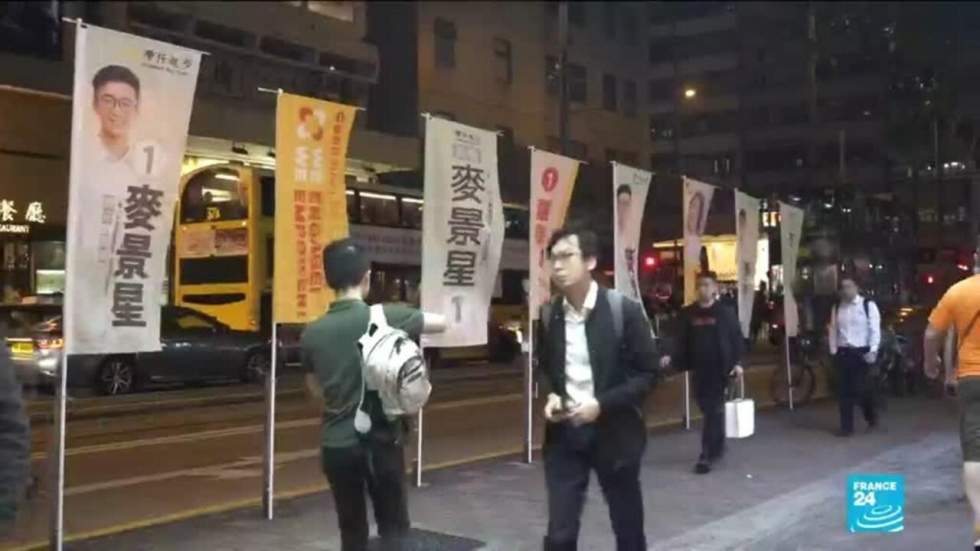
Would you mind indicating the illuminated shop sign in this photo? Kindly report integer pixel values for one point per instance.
(11, 215)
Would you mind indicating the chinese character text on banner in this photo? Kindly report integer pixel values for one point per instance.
(552, 182)
(311, 201)
(630, 188)
(790, 231)
(130, 112)
(462, 230)
(747, 233)
(697, 203)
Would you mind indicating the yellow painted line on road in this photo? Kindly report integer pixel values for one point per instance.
(251, 429)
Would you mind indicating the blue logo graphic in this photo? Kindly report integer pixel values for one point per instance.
(876, 503)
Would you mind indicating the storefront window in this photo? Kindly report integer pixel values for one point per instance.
(49, 267)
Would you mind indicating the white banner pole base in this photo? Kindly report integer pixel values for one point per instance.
(687, 400)
(269, 452)
(789, 375)
(57, 528)
(529, 396)
(418, 451)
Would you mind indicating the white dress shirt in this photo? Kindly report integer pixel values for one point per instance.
(851, 328)
(578, 367)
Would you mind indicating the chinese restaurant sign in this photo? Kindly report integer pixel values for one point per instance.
(131, 108)
(311, 201)
(462, 230)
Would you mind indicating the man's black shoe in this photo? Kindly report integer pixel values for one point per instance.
(702, 467)
(843, 433)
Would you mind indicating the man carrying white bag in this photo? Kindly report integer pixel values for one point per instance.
(709, 345)
(740, 414)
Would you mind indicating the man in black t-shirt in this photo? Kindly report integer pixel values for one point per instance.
(709, 344)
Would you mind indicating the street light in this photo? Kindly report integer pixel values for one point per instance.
(690, 93)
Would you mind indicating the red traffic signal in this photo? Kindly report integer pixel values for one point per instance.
(649, 262)
(930, 279)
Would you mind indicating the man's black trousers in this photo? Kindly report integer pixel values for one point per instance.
(570, 455)
(376, 469)
(852, 376)
(712, 404)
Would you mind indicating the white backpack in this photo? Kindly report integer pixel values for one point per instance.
(392, 365)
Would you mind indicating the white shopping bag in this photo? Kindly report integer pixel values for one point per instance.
(740, 414)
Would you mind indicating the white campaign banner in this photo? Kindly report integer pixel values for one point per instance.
(630, 188)
(462, 230)
(790, 230)
(697, 203)
(747, 252)
(552, 182)
(130, 112)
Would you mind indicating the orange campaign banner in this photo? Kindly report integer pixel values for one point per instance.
(311, 201)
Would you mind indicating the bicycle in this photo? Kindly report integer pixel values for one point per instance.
(803, 372)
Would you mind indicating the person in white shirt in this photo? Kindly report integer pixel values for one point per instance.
(598, 357)
(854, 336)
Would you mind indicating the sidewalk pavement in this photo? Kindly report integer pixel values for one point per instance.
(782, 489)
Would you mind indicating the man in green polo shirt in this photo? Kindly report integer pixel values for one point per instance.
(353, 462)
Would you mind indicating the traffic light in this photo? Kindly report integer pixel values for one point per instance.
(649, 262)
(930, 279)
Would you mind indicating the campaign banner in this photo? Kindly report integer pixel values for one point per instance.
(552, 182)
(462, 230)
(630, 188)
(130, 113)
(697, 203)
(790, 231)
(311, 201)
(747, 210)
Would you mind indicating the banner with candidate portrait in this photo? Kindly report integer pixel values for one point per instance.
(747, 210)
(311, 201)
(630, 189)
(552, 182)
(697, 203)
(462, 230)
(790, 232)
(130, 113)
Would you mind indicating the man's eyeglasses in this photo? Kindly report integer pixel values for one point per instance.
(561, 258)
(111, 102)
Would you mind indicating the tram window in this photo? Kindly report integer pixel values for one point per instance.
(413, 292)
(386, 285)
(268, 184)
(379, 209)
(214, 194)
(412, 213)
(352, 214)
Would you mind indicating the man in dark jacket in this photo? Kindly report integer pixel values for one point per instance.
(14, 442)
(597, 353)
(709, 344)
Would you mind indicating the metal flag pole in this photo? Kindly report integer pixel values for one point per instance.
(529, 395)
(57, 534)
(687, 400)
(789, 370)
(269, 451)
(418, 449)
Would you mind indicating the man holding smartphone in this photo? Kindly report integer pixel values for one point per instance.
(598, 355)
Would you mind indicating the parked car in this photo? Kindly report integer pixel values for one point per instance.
(17, 323)
(196, 348)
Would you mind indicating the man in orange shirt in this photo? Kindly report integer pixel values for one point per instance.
(960, 308)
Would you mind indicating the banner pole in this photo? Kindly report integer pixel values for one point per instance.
(687, 400)
(529, 395)
(269, 451)
(789, 370)
(418, 449)
(57, 534)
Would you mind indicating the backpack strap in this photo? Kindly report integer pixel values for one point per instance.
(378, 316)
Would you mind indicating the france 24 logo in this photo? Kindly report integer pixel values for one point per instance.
(875, 503)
